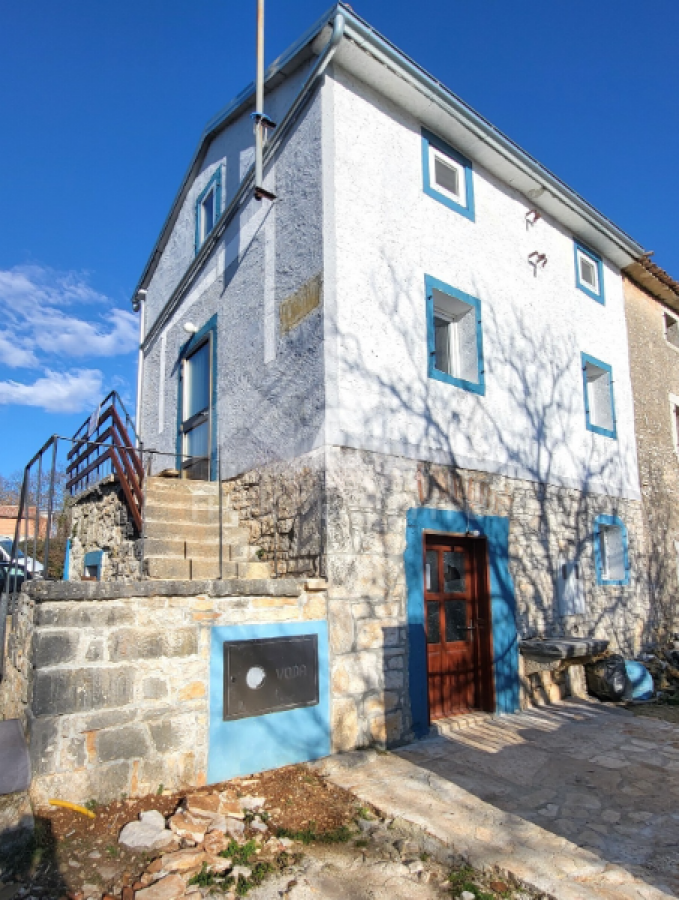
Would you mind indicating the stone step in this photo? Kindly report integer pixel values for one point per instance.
(196, 531)
(183, 501)
(189, 515)
(182, 486)
(210, 550)
(170, 568)
(205, 549)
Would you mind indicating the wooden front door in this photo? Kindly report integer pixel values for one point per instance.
(457, 625)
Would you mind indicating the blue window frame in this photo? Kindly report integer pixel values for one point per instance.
(597, 385)
(208, 207)
(454, 336)
(589, 272)
(447, 175)
(93, 564)
(611, 551)
(196, 445)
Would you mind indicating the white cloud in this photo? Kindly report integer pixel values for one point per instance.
(68, 336)
(62, 392)
(59, 314)
(14, 355)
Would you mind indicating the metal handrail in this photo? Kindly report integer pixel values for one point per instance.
(112, 448)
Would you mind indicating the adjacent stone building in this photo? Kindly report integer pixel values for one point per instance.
(411, 371)
(652, 309)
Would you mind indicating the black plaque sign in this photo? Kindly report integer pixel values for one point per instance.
(269, 675)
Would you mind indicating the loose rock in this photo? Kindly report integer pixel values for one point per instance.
(188, 826)
(149, 833)
(170, 888)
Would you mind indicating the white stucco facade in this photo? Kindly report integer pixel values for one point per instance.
(317, 303)
(387, 235)
(375, 234)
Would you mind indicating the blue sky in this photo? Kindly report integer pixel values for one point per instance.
(101, 106)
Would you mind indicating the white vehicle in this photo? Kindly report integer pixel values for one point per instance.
(22, 562)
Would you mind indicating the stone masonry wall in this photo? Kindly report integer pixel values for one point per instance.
(282, 506)
(654, 364)
(17, 671)
(117, 696)
(368, 497)
(100, 520)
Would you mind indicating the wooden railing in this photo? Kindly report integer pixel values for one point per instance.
(105, 445)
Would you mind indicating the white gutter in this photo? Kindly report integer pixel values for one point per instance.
(141, 300)
(248, 183)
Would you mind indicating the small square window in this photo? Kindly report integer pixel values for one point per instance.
(447, 175)
(671, 327)
(208, 208)
(455, 338)
(589, 272)
(598, 390)
(611, 555)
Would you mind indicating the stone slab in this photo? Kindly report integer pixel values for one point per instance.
(528, 794)
(15, 771)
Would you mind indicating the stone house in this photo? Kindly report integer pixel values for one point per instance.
(410, 371)
(652, 310)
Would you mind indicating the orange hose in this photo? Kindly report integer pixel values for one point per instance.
(67, 805)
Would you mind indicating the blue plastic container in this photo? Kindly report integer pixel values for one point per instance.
(639, 681)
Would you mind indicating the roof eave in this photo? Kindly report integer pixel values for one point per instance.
(295, 56)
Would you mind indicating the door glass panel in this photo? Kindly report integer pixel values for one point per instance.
(197, 440)
(197, 387)
(453, 572)
(433, 624)
(432, 571)
(456, 621)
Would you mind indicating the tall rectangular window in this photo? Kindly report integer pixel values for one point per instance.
(598, 395)
(611, 554)
(208, 208)
(455, 337)
(671, 329)
(674, 421)
(195, 425)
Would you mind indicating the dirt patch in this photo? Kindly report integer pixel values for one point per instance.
(70, 851)
(308, 838)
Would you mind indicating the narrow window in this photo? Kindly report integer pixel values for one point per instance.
(598, 390)
(455, 338)
(208, 208)
(611, 550)
(589, 272)
(208, 212)
(674, 421)
(447, 175)
(195, 425)
(671, 324)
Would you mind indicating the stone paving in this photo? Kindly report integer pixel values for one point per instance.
(578, 800)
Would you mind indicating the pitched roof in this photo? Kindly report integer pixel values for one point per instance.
(655, 280)
(374, 58)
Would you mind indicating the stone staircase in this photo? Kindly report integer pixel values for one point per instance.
(181, 525)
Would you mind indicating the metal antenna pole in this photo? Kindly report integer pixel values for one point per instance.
(259, 101)
(261, 120)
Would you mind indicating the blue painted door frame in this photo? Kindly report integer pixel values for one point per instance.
(495, 529)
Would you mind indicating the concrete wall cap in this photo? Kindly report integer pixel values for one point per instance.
(46, 591)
